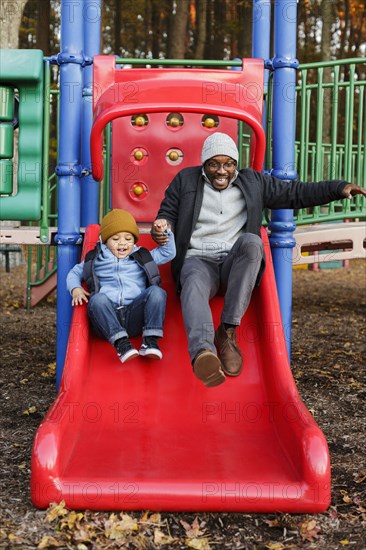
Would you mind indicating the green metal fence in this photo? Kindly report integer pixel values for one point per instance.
(331, 132)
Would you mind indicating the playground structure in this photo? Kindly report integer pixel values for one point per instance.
(122, 444)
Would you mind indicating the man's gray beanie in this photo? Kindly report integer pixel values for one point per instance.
(219, 144)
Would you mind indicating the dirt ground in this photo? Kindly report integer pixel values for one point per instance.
(328, 361)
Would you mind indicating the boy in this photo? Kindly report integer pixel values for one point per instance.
(123, 285)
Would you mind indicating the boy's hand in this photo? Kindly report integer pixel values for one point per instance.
(350, 190)
(79, 295)
(159, 231)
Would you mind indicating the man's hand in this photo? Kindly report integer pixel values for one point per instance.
(79, 295)
(159, 231)
(350, 190)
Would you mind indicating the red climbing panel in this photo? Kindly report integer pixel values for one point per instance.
(160, 118)
(138, 184)
(149, 435)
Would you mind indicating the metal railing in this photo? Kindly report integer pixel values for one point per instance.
(331, 137)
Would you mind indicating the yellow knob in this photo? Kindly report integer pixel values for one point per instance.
(174, 155)
(139, 155)
(140, 121)
(138, 190)
(174, 121)
(209, 123)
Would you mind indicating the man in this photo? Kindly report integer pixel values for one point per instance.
(215, 212)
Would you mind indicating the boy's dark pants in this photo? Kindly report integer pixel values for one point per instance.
(145, 315)
(201, 280)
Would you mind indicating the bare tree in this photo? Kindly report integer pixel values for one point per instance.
(178, 24)
(10, 18)
(244, 19)
(117, 27)
(327, 16)
(201, 22)
(43, 26)
(345, 24)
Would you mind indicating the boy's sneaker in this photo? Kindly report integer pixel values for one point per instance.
(150, 348)
(125, 350)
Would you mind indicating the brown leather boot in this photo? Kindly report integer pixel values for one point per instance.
(228, 350)
(207, 368)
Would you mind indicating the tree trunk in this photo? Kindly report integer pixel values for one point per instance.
(117, 28)
(220, 24)
(155, 18)
(149, 27)
(10, 18)
(43, 35)
(178, 30)
(327, 19)
(345, 30)
(245, 19)
(201, 28)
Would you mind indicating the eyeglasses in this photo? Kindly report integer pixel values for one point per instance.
(213, 165)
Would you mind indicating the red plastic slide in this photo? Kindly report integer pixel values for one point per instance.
(149, 435)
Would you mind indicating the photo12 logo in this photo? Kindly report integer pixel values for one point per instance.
(226, 92)
(252, 412)
(93, 412)
(254, 492)
(73, 492)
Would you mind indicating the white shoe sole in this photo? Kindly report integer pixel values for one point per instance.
(129, 355)
(151, 353)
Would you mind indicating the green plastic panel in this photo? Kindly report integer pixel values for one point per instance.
(6, 103)
(6, 176)
(6, 140)
(22, 70)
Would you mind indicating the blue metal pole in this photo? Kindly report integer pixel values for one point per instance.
(92, 13)
(282, 224)
(68, 169)
(261, 39)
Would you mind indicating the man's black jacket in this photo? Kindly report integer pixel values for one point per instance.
(183, 199)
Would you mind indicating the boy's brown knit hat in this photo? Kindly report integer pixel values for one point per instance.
(118, 220)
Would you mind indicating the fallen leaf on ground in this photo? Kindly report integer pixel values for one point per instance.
(48, 541)
(309, 530)
(155, 518)
(31, 410)
(346, 498)
(192, 531)
(51, 370)
(162, 538)
(271, 522)
(56, 510)
(116, 529)
(198, 544)
(72, 520)
(360, 477)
